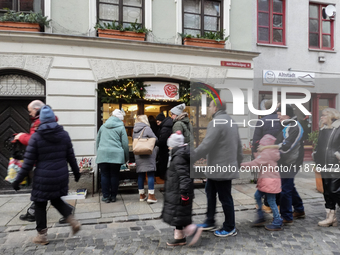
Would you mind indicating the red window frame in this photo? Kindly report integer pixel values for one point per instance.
(270, 26)
(320, 32)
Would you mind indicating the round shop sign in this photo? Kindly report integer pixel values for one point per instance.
(269, 76)
(170, 90)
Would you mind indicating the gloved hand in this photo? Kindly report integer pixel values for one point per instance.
(184, 200)
(15, 185)
(77, 177)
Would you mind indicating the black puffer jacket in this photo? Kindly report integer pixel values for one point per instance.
(164, 132)
(290, 143)
(269, 127)
(49, 149)
(328, 143)
(178, 182)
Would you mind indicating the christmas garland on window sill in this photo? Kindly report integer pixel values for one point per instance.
(131, 90)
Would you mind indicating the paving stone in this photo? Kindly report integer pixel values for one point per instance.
(135, 228)
(133, 218)
(148, 227)
(30, 227)
(100, 226)
(88, 221)
(104, 220)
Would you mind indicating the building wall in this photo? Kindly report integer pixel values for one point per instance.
(73, 67)
(70, 17)
(163, 22)
(295, 55)
(241, 24)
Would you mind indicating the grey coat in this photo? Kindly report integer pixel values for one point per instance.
(145, 163)
(222, 146)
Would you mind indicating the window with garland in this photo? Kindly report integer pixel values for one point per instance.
(128, 95)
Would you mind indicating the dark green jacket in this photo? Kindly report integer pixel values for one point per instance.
(182, 123)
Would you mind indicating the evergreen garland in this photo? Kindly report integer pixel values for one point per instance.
(131, 89)
(128, 89)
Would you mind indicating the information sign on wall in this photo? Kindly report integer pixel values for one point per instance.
(161, 90)
(271, 77)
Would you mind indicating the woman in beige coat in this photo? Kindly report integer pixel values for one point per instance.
(145, 163)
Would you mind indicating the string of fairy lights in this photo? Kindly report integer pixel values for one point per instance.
(118, 91)
(132, 90)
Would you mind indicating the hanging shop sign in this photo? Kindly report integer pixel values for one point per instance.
(271, 77)
(161, 90)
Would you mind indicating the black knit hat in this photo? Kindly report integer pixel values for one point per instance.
(289, 110)
(160, 117)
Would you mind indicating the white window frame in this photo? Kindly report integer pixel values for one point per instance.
(226, 17)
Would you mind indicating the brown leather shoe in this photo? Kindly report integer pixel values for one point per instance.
(287, 222)
(41, 238)
(299, 215)
(151, 198)
(266, 209)
(142, 197)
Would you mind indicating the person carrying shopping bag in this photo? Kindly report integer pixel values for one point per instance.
(327, 159)
(145, 163)
(50, 150)
(268, 183)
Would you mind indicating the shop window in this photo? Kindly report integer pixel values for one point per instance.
(154, 109)
(123, 12)
(271, 21)
(200, 16)
(321, 30)
(323, 104)
(22, 5)
(131, 111)
(108, 109)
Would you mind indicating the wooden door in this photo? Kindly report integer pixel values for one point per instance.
(14, 118)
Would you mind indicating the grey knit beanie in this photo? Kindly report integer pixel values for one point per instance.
(177, 110)
(176, 139)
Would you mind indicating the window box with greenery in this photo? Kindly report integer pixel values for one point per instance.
(209, 39)
(19, 21)
(134, 31)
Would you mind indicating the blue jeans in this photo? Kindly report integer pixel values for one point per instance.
(289, 198)
(223, 189)
(109, 179)
(271, 199)
(151, 180)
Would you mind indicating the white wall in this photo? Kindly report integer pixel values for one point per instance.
(70, 17)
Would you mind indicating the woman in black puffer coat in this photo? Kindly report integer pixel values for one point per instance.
(50, 150)
(164, 132)
(179, 193)
(327, 161)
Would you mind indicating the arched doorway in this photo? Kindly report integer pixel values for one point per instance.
(17, 89)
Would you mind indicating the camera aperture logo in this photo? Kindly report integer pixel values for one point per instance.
(204, 97)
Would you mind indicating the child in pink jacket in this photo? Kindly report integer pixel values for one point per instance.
(268, 183)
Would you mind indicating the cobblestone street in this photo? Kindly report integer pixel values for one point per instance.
(150, 236)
